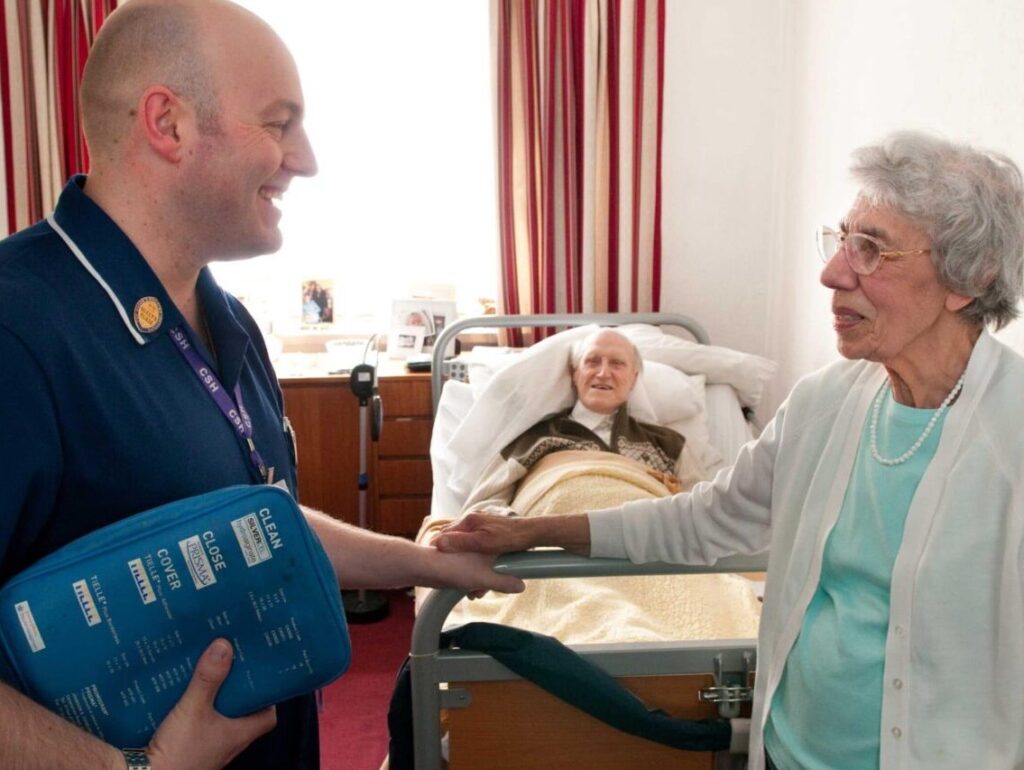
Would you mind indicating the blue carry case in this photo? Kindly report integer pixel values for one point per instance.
(106, 631)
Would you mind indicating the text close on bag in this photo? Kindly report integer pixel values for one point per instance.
(106, 631)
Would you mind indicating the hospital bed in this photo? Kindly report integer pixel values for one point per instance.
(493, 719)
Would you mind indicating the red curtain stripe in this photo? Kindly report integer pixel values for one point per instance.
(549, 166)
(638, 146)
(531, 116)
(656, 245)
(570, 153)
(576, 106)
(614, 15)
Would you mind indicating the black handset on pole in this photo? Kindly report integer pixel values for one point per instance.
(365, 606)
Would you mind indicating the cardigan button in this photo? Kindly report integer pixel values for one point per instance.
(896, 732)
(897, 683)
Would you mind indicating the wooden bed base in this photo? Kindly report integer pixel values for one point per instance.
(515, 725)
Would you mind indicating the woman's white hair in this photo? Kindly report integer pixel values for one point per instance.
(970, 202)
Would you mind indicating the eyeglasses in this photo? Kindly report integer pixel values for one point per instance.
(864, 253)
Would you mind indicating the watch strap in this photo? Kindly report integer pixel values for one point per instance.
(136, 759)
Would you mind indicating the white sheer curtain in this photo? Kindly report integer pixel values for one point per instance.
(399, 111)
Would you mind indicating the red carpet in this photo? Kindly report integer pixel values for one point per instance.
(353, 727)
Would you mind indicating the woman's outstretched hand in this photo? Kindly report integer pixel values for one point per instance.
(483, 533)
(493, 534)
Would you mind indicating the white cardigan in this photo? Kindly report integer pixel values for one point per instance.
(953, 688)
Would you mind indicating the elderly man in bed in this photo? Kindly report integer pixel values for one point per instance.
(605, 367)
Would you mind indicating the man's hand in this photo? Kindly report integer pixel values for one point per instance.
(194, 736)
(486, 533)
(471, 572)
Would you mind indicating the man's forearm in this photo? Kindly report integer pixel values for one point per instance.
(364, 559)
(32, 738)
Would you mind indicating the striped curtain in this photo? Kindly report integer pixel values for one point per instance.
(579, 121)
(43, 47)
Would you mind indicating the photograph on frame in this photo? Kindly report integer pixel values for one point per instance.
(432, 315)
(317, 303)
(405, 341)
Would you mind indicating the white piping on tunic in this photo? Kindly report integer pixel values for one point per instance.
(99, 279)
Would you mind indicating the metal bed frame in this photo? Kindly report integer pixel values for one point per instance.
(731, 661)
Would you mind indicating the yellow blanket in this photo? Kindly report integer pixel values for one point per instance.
(622, 609)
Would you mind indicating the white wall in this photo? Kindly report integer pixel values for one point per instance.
(723, 76)
(762, 110)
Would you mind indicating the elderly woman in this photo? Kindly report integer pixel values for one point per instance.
(605, 367)
(888, 487)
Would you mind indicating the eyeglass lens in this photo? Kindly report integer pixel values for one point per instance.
(862, 253)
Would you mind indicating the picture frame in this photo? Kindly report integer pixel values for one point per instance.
(405, 341)
(432, 315)
(317, 309)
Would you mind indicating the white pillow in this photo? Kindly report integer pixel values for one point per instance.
(530, 385)
(452, 408)
(662, 395)
(747, 373)
(695, 430)
(483, 361)
(667, 393)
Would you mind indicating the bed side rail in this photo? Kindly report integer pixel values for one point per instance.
(427, 661)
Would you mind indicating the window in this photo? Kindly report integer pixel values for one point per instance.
(400, 114)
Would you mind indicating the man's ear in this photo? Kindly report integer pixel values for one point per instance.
(164, 122)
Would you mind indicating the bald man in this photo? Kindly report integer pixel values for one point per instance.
(110, 322)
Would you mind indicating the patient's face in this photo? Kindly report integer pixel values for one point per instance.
(606, 373)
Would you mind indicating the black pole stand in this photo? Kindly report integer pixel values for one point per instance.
(364, 606)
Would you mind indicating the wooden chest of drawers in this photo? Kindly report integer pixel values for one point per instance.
(325, 415)
(401, 477)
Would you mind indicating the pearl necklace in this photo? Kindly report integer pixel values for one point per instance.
(924, 435)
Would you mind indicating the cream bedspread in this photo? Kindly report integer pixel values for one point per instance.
(621, 609)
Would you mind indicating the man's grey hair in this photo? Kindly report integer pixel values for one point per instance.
(969, 201)
(581, 346)
(139, 45)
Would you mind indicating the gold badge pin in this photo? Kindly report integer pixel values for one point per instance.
(148, 314)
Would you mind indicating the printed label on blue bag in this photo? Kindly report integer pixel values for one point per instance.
(198, 565)
(86, 602)
(28, 625)
(142, 581)
(251, 539)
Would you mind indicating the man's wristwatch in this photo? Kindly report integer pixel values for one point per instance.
(136, 759)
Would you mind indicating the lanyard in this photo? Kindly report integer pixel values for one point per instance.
(232, 409)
